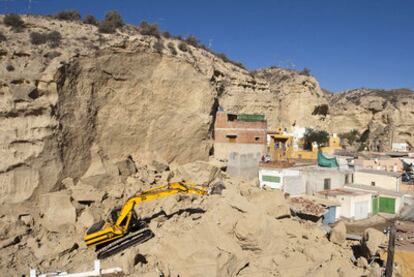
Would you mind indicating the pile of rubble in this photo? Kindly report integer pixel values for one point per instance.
(244, 231)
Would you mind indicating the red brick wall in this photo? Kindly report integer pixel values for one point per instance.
(246, 132)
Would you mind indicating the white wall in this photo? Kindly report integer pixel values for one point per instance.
(314, 180)
(381, 181)
(281, 173)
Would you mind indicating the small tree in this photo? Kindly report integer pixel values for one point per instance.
(192, 40)
(91, 20)
(106, 28)
(148, 29)
(14, 21)
(54, 38)
(113, 20)
(305, 72)
(166, 34)
(311, 135)
(37, 38)
(70, 15)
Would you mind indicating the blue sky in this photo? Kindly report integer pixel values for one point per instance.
(345, 43)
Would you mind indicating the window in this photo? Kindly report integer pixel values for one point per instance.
(272, 179)
(232, 138)
(256, 138)
(327, 183)
(373, 184)
(346, 178)
(231, 117)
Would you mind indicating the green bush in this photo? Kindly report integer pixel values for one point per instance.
(54, 38)
(351, 137)
(171, 46)
(183, 46)
(14, 21)
(321, 110)
(112, 21)
(223, 57)
(166, 34)
(70, 15)
(37, 38)
(148, 29)
(311, 135)
(193, 41)
(106, 28)
(114, 18)
(91, 20)
(2, 37)
(305, 72)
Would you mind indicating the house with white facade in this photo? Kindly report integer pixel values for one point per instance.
(354, 204)
(377, 178)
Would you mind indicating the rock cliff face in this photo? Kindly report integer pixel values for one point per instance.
(96, 100)
(385, 116)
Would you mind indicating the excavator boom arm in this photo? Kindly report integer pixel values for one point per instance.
(153, 194)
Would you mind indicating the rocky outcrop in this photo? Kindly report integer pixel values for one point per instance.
(384, 116)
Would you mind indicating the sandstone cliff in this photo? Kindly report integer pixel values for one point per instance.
(79, 109)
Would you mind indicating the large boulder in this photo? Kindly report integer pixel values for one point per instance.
(198, 172)
(273, 203)
(371, 241)
(58, 211)
(338, 233)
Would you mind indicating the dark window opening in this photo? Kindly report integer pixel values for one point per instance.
(256, 138)
(231, 117)
(373, 184)
(327, 183)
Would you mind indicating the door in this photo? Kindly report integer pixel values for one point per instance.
(387, 205)
(375, 204)
(361, 209)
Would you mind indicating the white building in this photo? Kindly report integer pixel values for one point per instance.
(377, 178)
(354, 204)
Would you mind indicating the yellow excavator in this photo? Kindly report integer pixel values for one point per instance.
(123, 229)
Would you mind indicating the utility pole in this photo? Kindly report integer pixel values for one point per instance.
(390, 254)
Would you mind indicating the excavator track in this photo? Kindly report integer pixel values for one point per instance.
(119, 245)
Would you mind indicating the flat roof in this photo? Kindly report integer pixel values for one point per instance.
(378, 172)
(376, 189)
(343, 191)
(315, 167)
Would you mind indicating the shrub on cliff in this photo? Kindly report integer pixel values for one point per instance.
(193, 41)
(91, 20)
(37, 38)
(148, 29)
(311, 135)
(14, 21)
(70, 15)
(54, 38)
(112, 21)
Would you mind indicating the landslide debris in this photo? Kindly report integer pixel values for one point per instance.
(244, 231)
